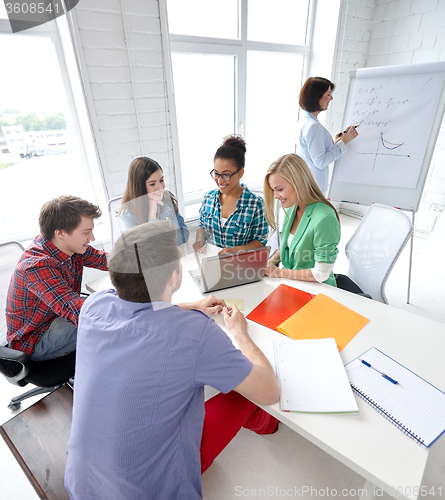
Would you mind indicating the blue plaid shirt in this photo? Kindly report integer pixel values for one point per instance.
(247, 223)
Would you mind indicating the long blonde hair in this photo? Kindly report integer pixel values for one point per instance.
(296, 171)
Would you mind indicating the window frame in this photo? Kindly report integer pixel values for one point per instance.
(238, 48)
(57, 30)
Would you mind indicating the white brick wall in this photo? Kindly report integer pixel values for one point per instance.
(352, 52)
(125, 68)
(400, 32)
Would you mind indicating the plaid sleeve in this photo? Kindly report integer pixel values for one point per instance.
(95, 258)
(206, 206)
(47, 283)
(260, 228)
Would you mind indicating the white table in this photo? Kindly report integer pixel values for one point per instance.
(367, 443)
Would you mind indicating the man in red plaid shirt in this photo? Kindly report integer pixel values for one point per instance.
(44, 302)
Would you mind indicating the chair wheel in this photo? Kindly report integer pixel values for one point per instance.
(14, 406)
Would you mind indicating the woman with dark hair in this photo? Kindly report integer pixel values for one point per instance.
(231, 217)
(314, 143)
(146, 199)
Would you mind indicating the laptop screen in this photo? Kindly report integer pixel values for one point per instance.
(229, 270)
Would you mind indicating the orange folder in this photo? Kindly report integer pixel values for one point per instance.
(322, 318)
(279, 305)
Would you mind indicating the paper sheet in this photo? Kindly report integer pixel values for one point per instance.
(279, 306)
(312, 377)
(321, 318)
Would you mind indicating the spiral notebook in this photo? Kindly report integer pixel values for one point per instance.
(411, 403)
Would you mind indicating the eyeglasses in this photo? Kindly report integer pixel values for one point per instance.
(225, 177)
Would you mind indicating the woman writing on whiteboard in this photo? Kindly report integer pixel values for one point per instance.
(314, 143)
(311, 228)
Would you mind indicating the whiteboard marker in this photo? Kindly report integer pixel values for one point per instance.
(355, 126)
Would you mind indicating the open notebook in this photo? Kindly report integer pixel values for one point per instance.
(312, 377)
(412, 404)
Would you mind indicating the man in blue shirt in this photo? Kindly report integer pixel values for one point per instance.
(140, 428)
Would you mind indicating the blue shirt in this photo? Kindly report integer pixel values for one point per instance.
(247, 223)
(139, 399)
(316, 146)
(165, 212)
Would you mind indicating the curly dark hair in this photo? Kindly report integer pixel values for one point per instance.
(233, 148)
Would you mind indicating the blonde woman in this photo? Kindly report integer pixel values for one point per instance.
(311, 229)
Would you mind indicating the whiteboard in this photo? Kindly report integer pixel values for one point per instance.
(398, 111)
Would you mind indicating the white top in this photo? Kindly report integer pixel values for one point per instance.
(316, 146)
(289, 239)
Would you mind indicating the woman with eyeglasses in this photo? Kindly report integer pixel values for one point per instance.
(311, 228)
(146, 199)
(231, 217)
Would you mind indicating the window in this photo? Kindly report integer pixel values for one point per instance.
(33, 97)
(36, 99)
(218, 18)
(237, 68)
(210, 104)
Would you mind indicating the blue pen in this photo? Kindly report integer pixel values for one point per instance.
(381, 373)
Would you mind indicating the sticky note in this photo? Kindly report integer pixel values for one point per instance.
(235, 302)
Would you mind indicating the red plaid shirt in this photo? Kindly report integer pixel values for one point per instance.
(45, 285)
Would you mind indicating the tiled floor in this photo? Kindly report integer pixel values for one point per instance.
(268, 465)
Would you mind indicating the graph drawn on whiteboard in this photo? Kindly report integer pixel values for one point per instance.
(386, 148)
(394, 120)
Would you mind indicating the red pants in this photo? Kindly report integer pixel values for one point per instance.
(225, 414)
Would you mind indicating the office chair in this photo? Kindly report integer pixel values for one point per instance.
(17, 366)
(116, 228)
(374, 248)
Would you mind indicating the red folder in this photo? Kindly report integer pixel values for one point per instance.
(279, 305)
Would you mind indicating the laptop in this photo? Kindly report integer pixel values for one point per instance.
(229, 270)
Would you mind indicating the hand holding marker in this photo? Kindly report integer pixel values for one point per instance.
(348, 135)
(352, 126)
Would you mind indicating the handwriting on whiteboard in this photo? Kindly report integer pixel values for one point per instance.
(390, 148)
(372, 104)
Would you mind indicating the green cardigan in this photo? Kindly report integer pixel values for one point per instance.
(315, 239)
